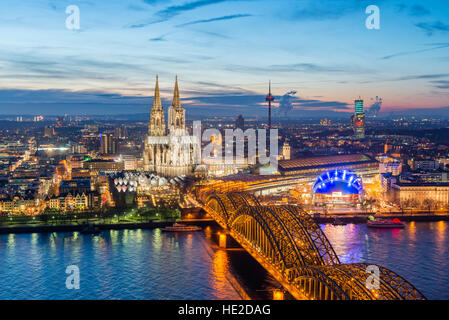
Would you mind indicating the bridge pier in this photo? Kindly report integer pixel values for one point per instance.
(223, 240)
(278, 295)
(226, 241)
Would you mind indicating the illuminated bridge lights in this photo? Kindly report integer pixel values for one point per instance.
(272, 236)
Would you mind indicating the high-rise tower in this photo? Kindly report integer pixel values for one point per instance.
(108, 144)
(286, 150)
(358, 106)
(156, 126)
(269, 98)
(358, 119)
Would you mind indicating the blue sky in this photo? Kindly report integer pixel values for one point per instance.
(224, 52)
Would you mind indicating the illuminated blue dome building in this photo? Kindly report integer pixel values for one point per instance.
(340, 187)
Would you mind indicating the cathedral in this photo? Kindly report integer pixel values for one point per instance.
(169, 150)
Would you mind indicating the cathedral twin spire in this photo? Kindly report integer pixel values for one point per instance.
(176, 114)
(170, 150)
(157, 96)
(176, 101)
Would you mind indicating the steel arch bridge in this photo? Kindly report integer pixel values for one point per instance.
(292, 247)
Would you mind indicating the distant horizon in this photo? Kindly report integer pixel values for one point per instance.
(196, 113)
(94, 103)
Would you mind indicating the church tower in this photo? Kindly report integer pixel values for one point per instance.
(176, 152)
(176, 113)
(156, 126)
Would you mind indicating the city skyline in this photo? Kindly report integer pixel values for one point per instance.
(224, 52)
(222, 150)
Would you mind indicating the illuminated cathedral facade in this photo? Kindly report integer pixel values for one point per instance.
(169, 150)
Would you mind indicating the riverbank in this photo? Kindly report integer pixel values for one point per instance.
(43, 228)
(78, 227)
(357, 219)
(48, 228)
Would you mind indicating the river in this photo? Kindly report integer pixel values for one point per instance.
(150, 264)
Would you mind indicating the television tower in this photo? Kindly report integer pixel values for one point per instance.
(269, 98)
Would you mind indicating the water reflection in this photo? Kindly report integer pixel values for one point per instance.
(208, 232)
(150, 264)
(347, 242)
(418, 252)
(189, 241)
(412, 231)
(440, 235)
(134, 264)
(11, 241)
(220, 270)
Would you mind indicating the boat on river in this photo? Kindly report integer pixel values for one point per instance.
(178, 227)
(386, 224)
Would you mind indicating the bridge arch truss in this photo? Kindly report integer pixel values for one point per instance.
(294, 249)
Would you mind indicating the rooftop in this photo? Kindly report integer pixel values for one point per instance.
(325, 161)
(78, 183)
(422, 184)
(245, 177)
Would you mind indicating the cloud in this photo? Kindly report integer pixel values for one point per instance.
(160, 38)
(31, 67)
(435, 46)
(308, 104)
(254, 103)
(418, 11)
(375, 107)
(214, 34)
(424, 76)
(414, 10)
(175, 10)
(135, 7)
(219, 88)
(303, 67)
(153, 2)
(214, 102)
(55, 102)
(327, 9)
(230, 17)
(431, 28)
(441, 84)
(285, 104)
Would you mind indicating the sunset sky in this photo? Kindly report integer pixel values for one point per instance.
(224, 52)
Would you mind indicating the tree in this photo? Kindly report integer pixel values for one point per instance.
(413, 204)
(428, 204)
(402, 205)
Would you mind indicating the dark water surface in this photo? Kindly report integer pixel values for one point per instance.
(419, 252)
(150, 264)
(126, 264)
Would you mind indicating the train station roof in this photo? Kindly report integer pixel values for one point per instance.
(324, 162)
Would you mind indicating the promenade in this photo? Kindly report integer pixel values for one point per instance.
(150, 223)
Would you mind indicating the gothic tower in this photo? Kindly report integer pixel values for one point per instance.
(156, 126)
(176, 113)
(171, 154)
